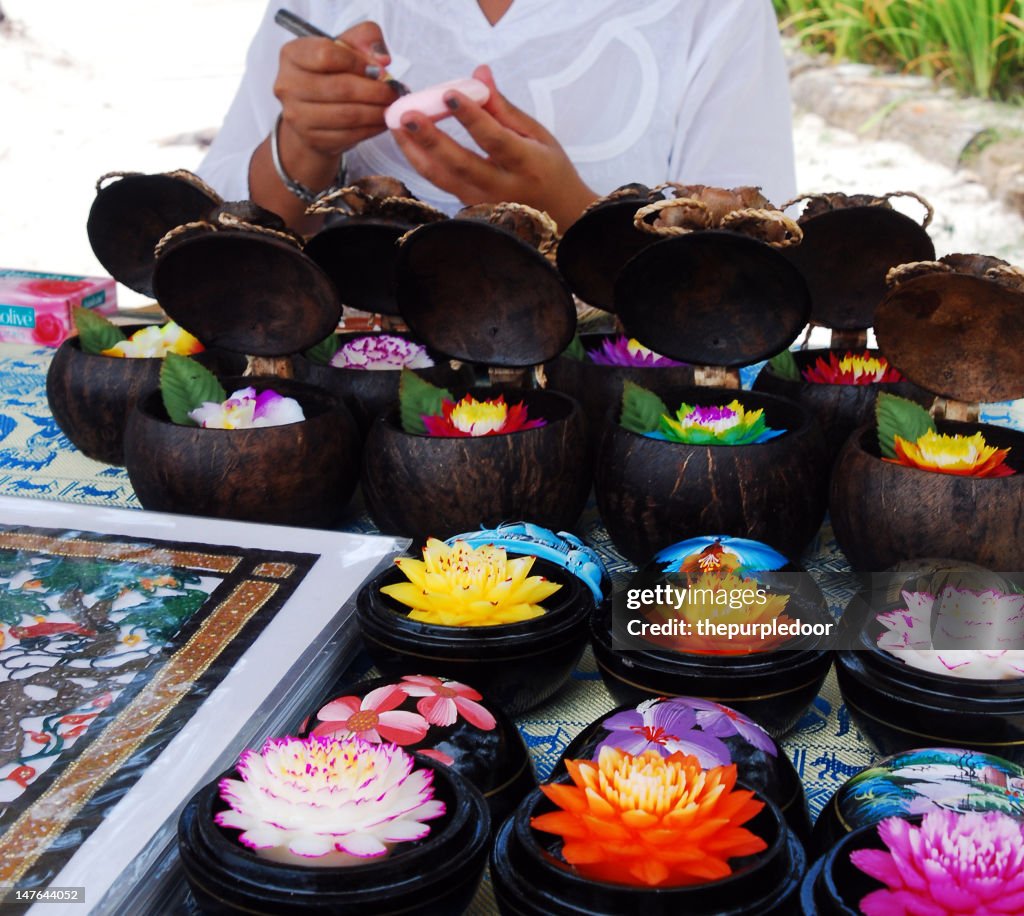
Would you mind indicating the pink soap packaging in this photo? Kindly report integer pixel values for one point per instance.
(35, 308)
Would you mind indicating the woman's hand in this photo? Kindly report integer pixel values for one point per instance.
(523, 161)
(328, 105)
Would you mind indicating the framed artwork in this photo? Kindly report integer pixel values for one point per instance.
(139, 653)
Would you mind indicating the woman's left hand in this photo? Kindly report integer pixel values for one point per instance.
(523, 162)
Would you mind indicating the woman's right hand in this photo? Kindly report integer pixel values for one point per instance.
(328, 105)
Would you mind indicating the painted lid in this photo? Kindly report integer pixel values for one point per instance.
(957, 335)
(129, 216)
(845, 255)
(918, 781)
(480, 293)
(713, 298)
(440, 718)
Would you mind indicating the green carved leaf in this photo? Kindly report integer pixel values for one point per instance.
(95, 333)
(322, 352)
(784, 365)
(417, 398)
(898, 416)
(184, 385)
(642, 410)
(575, 350)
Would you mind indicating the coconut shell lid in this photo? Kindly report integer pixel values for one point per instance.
(959, 336)
(596, 247)
(844, 257)
(359, 255)
(713, 298)
(129, 216)
(247, 292)
(478, 293)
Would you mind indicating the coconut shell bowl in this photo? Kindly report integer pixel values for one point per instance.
(849, 244)
(247, 289)
(718, 300)
(507, 308)
(517, 665)
(955, 328)
(772, 679)
(903, 684)
(91, 395)
(446, 720)
(436, 875)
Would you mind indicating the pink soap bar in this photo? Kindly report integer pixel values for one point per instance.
(430, 102)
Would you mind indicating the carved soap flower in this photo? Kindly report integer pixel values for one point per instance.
(720, 597)
(852, 369)
(245, 409)
(649, 820)
(156, 341)
(965, 456)
(954, 864)
(470, 417)
(463, 586)
(381, 351)
(328, 801)
(731, 424)
(626, 351)
(981, 621)
(907, 435)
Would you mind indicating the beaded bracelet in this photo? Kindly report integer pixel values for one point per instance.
(297, 188)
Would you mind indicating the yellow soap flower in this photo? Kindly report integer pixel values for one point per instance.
(462, 586)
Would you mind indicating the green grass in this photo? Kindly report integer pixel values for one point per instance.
(976, 46)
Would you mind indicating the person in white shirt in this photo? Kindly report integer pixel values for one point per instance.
(585, 97)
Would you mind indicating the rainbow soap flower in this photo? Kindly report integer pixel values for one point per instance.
(731, 424)
(627, 351)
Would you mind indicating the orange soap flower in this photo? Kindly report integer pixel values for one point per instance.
(649, 820)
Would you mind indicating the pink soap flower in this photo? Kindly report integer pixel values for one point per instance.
(954, 864)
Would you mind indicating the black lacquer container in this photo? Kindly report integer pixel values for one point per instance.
(481, 742)
(898, 707)
(436, 876)
(719, 734)
(517, 665)
(530, 878)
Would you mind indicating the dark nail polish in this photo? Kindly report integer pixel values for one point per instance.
(452, 102)
(411, 126)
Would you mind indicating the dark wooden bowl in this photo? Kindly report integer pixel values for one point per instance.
(838, 409)
(883, 513)
(517, 665)
(299, 474)
(432, 486)
(531, 879)
(436, 876)
(369, 393)
(652, 493)
(599, 388)
(770, 775)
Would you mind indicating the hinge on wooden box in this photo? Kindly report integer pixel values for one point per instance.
(949, 409)
(279, 366)
(857, 339)
(716, 377)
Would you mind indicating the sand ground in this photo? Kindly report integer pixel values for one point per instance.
(89, 88)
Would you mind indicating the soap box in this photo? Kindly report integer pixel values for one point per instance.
(35, 308)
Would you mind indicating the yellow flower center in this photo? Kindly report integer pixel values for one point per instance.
(479, 417)
(862, 365)
(635, 348)
(945, 450)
